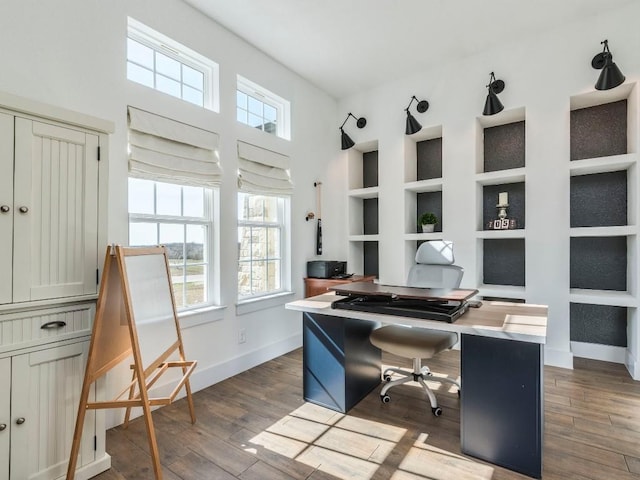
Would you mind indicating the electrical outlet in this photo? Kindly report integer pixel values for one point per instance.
(242, 335)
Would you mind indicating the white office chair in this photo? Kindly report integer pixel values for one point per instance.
(433, 269)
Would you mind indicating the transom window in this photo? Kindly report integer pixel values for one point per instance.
(163, 64)
(180, 218)
(262, 109)
(261, 230)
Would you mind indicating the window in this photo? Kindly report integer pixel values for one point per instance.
(180, 218)
(262, 109)
(158, 62)
(262, 238)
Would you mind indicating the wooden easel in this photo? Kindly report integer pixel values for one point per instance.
(135, 297)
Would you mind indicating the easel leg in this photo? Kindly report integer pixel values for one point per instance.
(153, 444)
(132, 390)
(190, 401)
(77, 434)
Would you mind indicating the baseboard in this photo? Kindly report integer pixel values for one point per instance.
(595, 351)
(204, 377)
(632, 366)
(558, 358)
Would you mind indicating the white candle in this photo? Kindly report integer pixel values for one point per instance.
(503, 198)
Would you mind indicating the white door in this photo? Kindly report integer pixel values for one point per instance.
(5, 416)
(56, 211)
(6, 207)
(45, 394)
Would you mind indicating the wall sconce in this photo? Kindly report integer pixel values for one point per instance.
(611, 76)
(413, 126)
(347, 143)
(493, 105)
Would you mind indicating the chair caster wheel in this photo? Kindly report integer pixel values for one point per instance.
(436, 411)
(387, 378)
(385, 398)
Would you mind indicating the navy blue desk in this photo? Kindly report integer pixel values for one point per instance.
(501, 360)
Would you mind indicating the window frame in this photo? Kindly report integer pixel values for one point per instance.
(284, 225)
(208, 220)
(162, 44)
(282, 106)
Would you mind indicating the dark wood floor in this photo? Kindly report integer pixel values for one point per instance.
(256, 426)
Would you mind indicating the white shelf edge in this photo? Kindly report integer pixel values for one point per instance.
(512, 175)
(431, 185)
(369, 192)
(617, 231)
(515, 233)
(611, 163)
(424, 236)
(504, 291)
(602, 297)
(364, 238)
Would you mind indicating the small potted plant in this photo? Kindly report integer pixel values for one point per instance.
(428, 221)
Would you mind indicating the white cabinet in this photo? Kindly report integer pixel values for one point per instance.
(51, 224)
(45, 392)
(48, 210)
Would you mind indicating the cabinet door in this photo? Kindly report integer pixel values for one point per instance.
(6, 206)
(5, 416)
(45, 393)
(56, 211)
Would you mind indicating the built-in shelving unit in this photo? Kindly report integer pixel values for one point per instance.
(363, 213)
(501, 170)
(603, 219)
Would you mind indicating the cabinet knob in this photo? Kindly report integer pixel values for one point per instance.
(20, 420)
(23, 209)
(4, 208)
(3, 426)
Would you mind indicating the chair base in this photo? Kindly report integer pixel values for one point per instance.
(418, 374)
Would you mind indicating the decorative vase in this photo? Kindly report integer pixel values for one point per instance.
(428, 227)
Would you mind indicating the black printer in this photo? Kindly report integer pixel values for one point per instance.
(326, 269)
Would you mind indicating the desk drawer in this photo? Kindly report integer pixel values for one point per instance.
(28, 328)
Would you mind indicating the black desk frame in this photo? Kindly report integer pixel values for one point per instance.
(502, 410)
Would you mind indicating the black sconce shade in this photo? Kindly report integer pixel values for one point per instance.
(611, 76)
(492, 104)
(345, 140)
(413, 126)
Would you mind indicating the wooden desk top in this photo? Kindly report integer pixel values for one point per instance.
(516, 321)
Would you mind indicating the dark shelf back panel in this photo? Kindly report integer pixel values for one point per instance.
(503, 262)
(370, 251)
(370, 216)
(429, 202)
(516, 199)
(599, 263)
(602, 324)
(504, 147)
(599, 131)
(599, 199)
(429, 159)
(370, 169)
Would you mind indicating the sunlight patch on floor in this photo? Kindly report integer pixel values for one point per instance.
(353, 448)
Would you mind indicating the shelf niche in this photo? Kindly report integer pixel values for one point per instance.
(429, 202)
(516, 209)
(598, 263)
(601, 324)
(429, 159)
(370, 257)
(370, 216)
(370, 169)
(504, 146)
(504, 262)
(599, 131)
(599, 199)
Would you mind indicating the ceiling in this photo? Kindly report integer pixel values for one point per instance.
(345, 46)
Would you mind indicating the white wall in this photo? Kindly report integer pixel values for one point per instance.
(72, 54)
(541, 75)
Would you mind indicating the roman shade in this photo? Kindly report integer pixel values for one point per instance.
(166, 150)
(263, 171)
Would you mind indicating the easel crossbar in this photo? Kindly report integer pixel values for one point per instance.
(136, 401)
